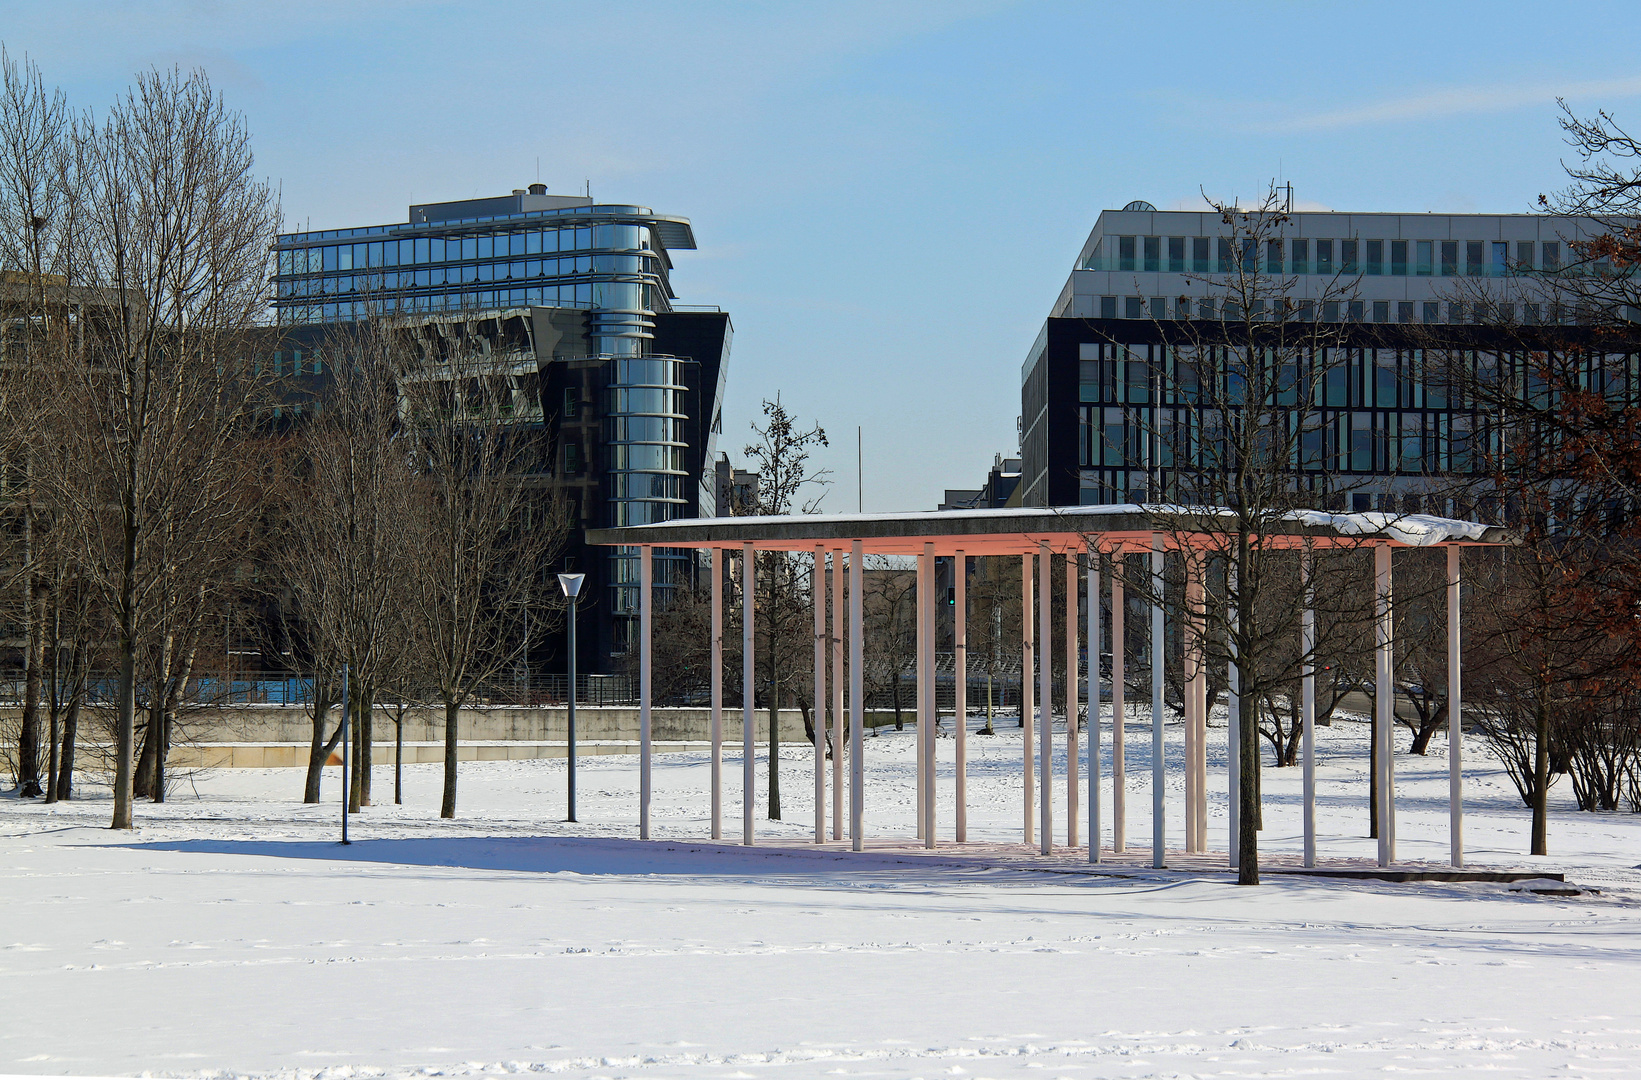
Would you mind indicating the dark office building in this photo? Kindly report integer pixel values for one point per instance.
(628, 385)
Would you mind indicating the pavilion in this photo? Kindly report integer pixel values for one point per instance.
(843, 541)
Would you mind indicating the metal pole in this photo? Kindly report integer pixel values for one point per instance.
(1159, 826)
(1307, 701)
(817, 595)
(1455, 724)
(857, 704)
(570, 720)
(930, 615)
(1045, 695)
(920, 677)
(960, 674)
(747, 664)
(646, 602)
(347, 777)
(719, 555)
(1093, 704)
(1119, 709)
(1028, 670)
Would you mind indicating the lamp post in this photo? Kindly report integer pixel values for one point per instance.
(571, 584)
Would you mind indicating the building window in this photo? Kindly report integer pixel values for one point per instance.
(1199, 254)
(1355, 310)
(1450, 258)
(1176, 254)
(1135, 307)
(1524, 255)
(1205, 308)
(1501, 259)
(1375, 257)
(1273, 256)
(1530, 314)
(1552, 256)
(1324, 256)
(1301, 256)
(1473, 259)
(1398, 258)
(1159, 308)
(1330, 311)
(1404, 311)
(1182, 308)
(1225, 260)
(1423, 257)
(1455, 313)
(1108, 307)
(572, 458)
(572, 403)
(1125, 253)
(1381, 311)
(1153, 254)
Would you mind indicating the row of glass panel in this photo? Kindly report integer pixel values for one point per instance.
(1176, 309)
(1298, 255)
(461, 274)
(1338, 378)
(425, 250)
(589, 296)
(1365, 442)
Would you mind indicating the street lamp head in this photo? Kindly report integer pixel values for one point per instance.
(571, 584)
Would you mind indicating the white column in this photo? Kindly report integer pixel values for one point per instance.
(1045, 695)
(646, 602)
(1093, 704)
(1199, 702)
(838, 724)
(748, 665)
(817, 594)
(1159, 772)
(1119, 708)
(1384, 698)
(1233, 724)
(1028, 667)
(1455, 721)
(1307, 701)
(960, 672)
(857, 704)
(1188, 686)
(1071, 699)
(931, 617)
(920, 687)
(717, 682)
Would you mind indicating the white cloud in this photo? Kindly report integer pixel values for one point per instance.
(1452, 101)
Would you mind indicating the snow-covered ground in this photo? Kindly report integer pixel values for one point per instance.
(230, 934)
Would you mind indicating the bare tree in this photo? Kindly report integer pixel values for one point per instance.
(485, 530)
(176, 231)
(785, 580)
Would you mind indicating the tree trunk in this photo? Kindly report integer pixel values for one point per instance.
(175, 687)
(125, 723)
(452, 719)
(1248, 797)
(319, 749)
(54, 731)
(355, 798)
(1373, 774)
(1541, 779)
(71, 721)
(894, 696)
(367, 739)
(28, 734)
(143, 782)
(399, 757)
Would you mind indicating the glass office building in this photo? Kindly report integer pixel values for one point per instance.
(629, 384)
(1105, 382)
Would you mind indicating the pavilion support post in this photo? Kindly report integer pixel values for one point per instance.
(1200, 701)
(857, 703)
(1159, 772)
(1071, 699)
(646, 604)
(817, 594)
(716, 679)
(1188, 687)
(1384, 702)
(1233, 726)
(1455, 724)
(921, 683)
(1028, 669)
(1307, 700)
(1119, 708)
(960, 675)
(931, 615)
(837, 695)
(1045, 698)
(1093, 704)
(748, 668)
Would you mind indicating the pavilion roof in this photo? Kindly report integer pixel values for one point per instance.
(1015, 530)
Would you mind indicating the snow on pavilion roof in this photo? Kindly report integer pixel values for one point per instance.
(1015, 530)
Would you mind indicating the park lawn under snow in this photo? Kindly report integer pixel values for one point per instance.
(230, 934)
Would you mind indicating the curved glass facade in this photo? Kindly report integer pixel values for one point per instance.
(646, 471)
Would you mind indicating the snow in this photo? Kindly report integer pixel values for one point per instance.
(230, 934)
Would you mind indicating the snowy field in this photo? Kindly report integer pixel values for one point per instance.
(229, 934)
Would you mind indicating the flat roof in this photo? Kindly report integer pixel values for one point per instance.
(1017, 530)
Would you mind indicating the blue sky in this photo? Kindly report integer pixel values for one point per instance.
(888, 197)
